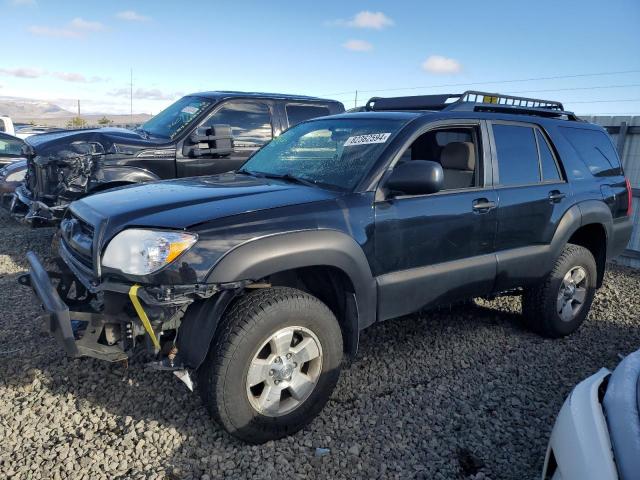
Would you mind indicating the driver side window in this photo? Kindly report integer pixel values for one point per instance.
(250, 123)
(456, 149)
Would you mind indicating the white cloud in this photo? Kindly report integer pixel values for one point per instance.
(132, 16)
(441, 65)
(76, 77)
(22, 72)
(366, 19)
(358, 46)
(82, 24)
(145, 94)
(54, 32)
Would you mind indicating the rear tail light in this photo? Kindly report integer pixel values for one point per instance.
(629, 197)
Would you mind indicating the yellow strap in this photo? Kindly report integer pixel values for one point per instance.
(133, 295)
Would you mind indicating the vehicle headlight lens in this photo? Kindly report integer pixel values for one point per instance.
(140, 252)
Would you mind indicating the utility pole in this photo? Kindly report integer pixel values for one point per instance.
(131, 97)
(78, 108)
(355, 102)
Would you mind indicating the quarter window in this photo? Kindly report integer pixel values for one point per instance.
(547, 162)
(250, 123)
(299, 113)
(517, 154)
(595, 149)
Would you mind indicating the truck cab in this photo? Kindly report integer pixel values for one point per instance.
(200, 134)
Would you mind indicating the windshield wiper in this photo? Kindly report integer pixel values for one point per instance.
(282, 176)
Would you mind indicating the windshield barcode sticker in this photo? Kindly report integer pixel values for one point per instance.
(367, 139)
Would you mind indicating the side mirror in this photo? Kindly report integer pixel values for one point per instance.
(416, 177)
(215, 140)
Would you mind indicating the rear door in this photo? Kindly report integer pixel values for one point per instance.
(295, 113)
(532, 197)
(251, 123)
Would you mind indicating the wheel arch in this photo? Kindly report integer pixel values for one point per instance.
(120, 174)
(589, 225)
(305, 252)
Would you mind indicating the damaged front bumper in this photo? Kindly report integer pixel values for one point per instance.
(24, 207)
(110, 321)
(62, 323)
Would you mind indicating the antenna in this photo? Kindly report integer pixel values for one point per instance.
(131, 97)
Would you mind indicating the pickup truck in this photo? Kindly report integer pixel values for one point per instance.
(200, 134)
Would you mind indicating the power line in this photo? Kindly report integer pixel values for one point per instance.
(556, 77)
(575, 88)
(606, 101)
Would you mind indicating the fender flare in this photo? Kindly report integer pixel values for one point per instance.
(123, 174)
(579, 215)
(271, 254)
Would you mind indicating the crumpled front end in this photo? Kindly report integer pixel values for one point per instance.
(55, 179)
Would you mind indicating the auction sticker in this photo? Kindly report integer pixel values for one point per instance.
(367, 139)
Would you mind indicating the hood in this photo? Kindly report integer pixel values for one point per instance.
(112, 140)
(184, 203)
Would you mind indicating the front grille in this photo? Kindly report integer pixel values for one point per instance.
(77, 237)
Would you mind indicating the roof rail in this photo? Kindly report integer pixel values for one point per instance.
(474, 101)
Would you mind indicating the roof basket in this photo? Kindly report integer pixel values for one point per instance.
(474, 101)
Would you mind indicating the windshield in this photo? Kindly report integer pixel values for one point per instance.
(331, 152)
(173, 119)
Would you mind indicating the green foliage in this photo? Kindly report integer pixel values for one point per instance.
(77, 122)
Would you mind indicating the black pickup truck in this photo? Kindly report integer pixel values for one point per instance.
(200, 134)
(260, 280)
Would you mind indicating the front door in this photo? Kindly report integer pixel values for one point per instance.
(436, 248)
(251, 127)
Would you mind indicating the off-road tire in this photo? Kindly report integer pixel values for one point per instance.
(539, 303)
(222, 379)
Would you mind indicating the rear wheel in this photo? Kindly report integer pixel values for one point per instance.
(273, 365)
(558, 305)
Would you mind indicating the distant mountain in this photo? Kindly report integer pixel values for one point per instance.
(28, 109)
(42, 112)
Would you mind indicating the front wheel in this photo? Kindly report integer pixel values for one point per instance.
(561, 302)
(273, 365)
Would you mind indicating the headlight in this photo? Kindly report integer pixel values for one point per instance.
(140, 252)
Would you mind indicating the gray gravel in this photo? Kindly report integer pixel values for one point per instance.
(457, 394)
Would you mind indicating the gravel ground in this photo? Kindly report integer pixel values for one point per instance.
(460, 394)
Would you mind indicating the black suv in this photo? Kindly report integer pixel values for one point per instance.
(200, 134)
(261, 280)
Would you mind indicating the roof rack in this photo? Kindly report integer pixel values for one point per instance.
(472, 100)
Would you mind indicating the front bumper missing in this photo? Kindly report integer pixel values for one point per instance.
(58, 318)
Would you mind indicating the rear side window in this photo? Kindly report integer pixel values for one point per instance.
(250, 123)
(595, 149)
(547, 162)
(517, 154)
(300, 113)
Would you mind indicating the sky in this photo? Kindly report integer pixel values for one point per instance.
(85, 50)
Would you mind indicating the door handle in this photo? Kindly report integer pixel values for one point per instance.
(483, 205)
(556, 195)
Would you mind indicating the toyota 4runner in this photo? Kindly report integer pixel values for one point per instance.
(261, 280)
